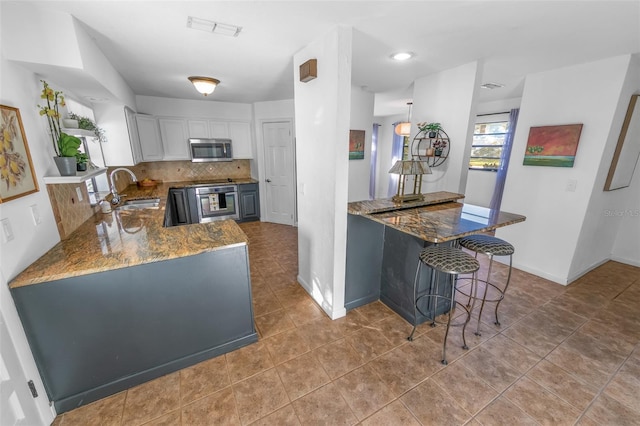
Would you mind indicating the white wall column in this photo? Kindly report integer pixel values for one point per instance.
(322, 108)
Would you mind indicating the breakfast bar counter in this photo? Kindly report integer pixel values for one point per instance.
(384, 239)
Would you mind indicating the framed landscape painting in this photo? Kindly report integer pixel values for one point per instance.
(356, 144)
(553, 146)
(17, 177)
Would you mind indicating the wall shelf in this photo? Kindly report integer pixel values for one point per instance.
(422, 142)
(78, 178)
(79, 132)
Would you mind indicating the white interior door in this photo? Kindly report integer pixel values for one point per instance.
(17, 406)
(279, 173)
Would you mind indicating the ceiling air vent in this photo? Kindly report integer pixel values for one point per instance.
(492, 86)
(213, 27)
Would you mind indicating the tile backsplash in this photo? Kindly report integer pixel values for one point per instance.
(179, 171)
(70, 212)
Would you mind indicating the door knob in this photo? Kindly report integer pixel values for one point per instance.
(267, 180)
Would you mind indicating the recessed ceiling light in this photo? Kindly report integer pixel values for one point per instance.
(402, 56)
(492, 85)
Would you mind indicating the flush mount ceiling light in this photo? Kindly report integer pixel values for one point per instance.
(213, 27)
(402, 56)
(204, 85)
(492, 85)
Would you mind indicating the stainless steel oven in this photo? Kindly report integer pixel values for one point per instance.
(216, 203)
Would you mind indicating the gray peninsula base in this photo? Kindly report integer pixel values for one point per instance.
(98, 334)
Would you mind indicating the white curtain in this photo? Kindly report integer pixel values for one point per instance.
(396, 154)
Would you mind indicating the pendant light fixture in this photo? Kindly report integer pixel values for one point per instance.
(204, 85)
(404, 128)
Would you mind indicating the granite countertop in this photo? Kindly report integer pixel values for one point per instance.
(447, 221)
(387, 204)
(121, 239)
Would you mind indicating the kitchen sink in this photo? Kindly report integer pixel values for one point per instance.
(146, 203)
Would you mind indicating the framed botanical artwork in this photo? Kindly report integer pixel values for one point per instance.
(17, 177)
(356, 144)
(625, 157)
(553, 146)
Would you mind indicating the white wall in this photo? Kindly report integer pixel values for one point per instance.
(189, 108)
(479, 188)
(547, 241)
(607, 211)
(449, 98)
(361, 119)
(21, 89)
(322, 108)
(626, 247)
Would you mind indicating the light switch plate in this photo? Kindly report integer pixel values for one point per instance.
(79, 192)
(7, 231)
(571, 185)
(35, 214)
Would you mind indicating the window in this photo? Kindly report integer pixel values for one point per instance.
(488, 141)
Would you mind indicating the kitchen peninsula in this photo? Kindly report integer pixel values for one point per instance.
(123, 300)
(384, 239)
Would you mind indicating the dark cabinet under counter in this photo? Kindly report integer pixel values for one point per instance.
(178, 209)
(249, 202)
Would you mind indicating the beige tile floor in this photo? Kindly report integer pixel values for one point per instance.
(563, 355)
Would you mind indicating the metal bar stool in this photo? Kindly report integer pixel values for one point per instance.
(451, 261)
(489, 246)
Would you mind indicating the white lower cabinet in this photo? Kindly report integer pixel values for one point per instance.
(149, 136)
(175, 137)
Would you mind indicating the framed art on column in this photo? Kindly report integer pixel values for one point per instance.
(17, 177)
(625, 157)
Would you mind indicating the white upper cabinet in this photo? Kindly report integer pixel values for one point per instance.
(240, 135)
(219, 129)
(174, 138)
(134, 136)
(149, 136)
(198, 129)
(167, 138)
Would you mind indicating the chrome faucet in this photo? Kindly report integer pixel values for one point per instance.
(116, 198)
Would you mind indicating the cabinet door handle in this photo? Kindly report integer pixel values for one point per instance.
(267, 180)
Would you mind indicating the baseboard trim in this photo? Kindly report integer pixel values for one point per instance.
(333, 313)
(632, 262)
(539, 273)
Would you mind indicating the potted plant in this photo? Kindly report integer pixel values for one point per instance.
(439, 145)
(64, 145)
(431, 128)
(81, 160)
(86, 123)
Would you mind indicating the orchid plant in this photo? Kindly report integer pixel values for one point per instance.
(64, 145)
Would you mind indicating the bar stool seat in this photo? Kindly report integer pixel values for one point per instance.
(451, 261)
(489, 246)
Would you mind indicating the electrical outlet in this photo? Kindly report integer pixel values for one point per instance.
(79, 192)
(35, 214)
(571, 185)
(7, 231)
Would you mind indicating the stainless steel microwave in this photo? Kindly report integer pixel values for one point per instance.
(210, 150)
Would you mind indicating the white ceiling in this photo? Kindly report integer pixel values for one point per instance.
(149, 43)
